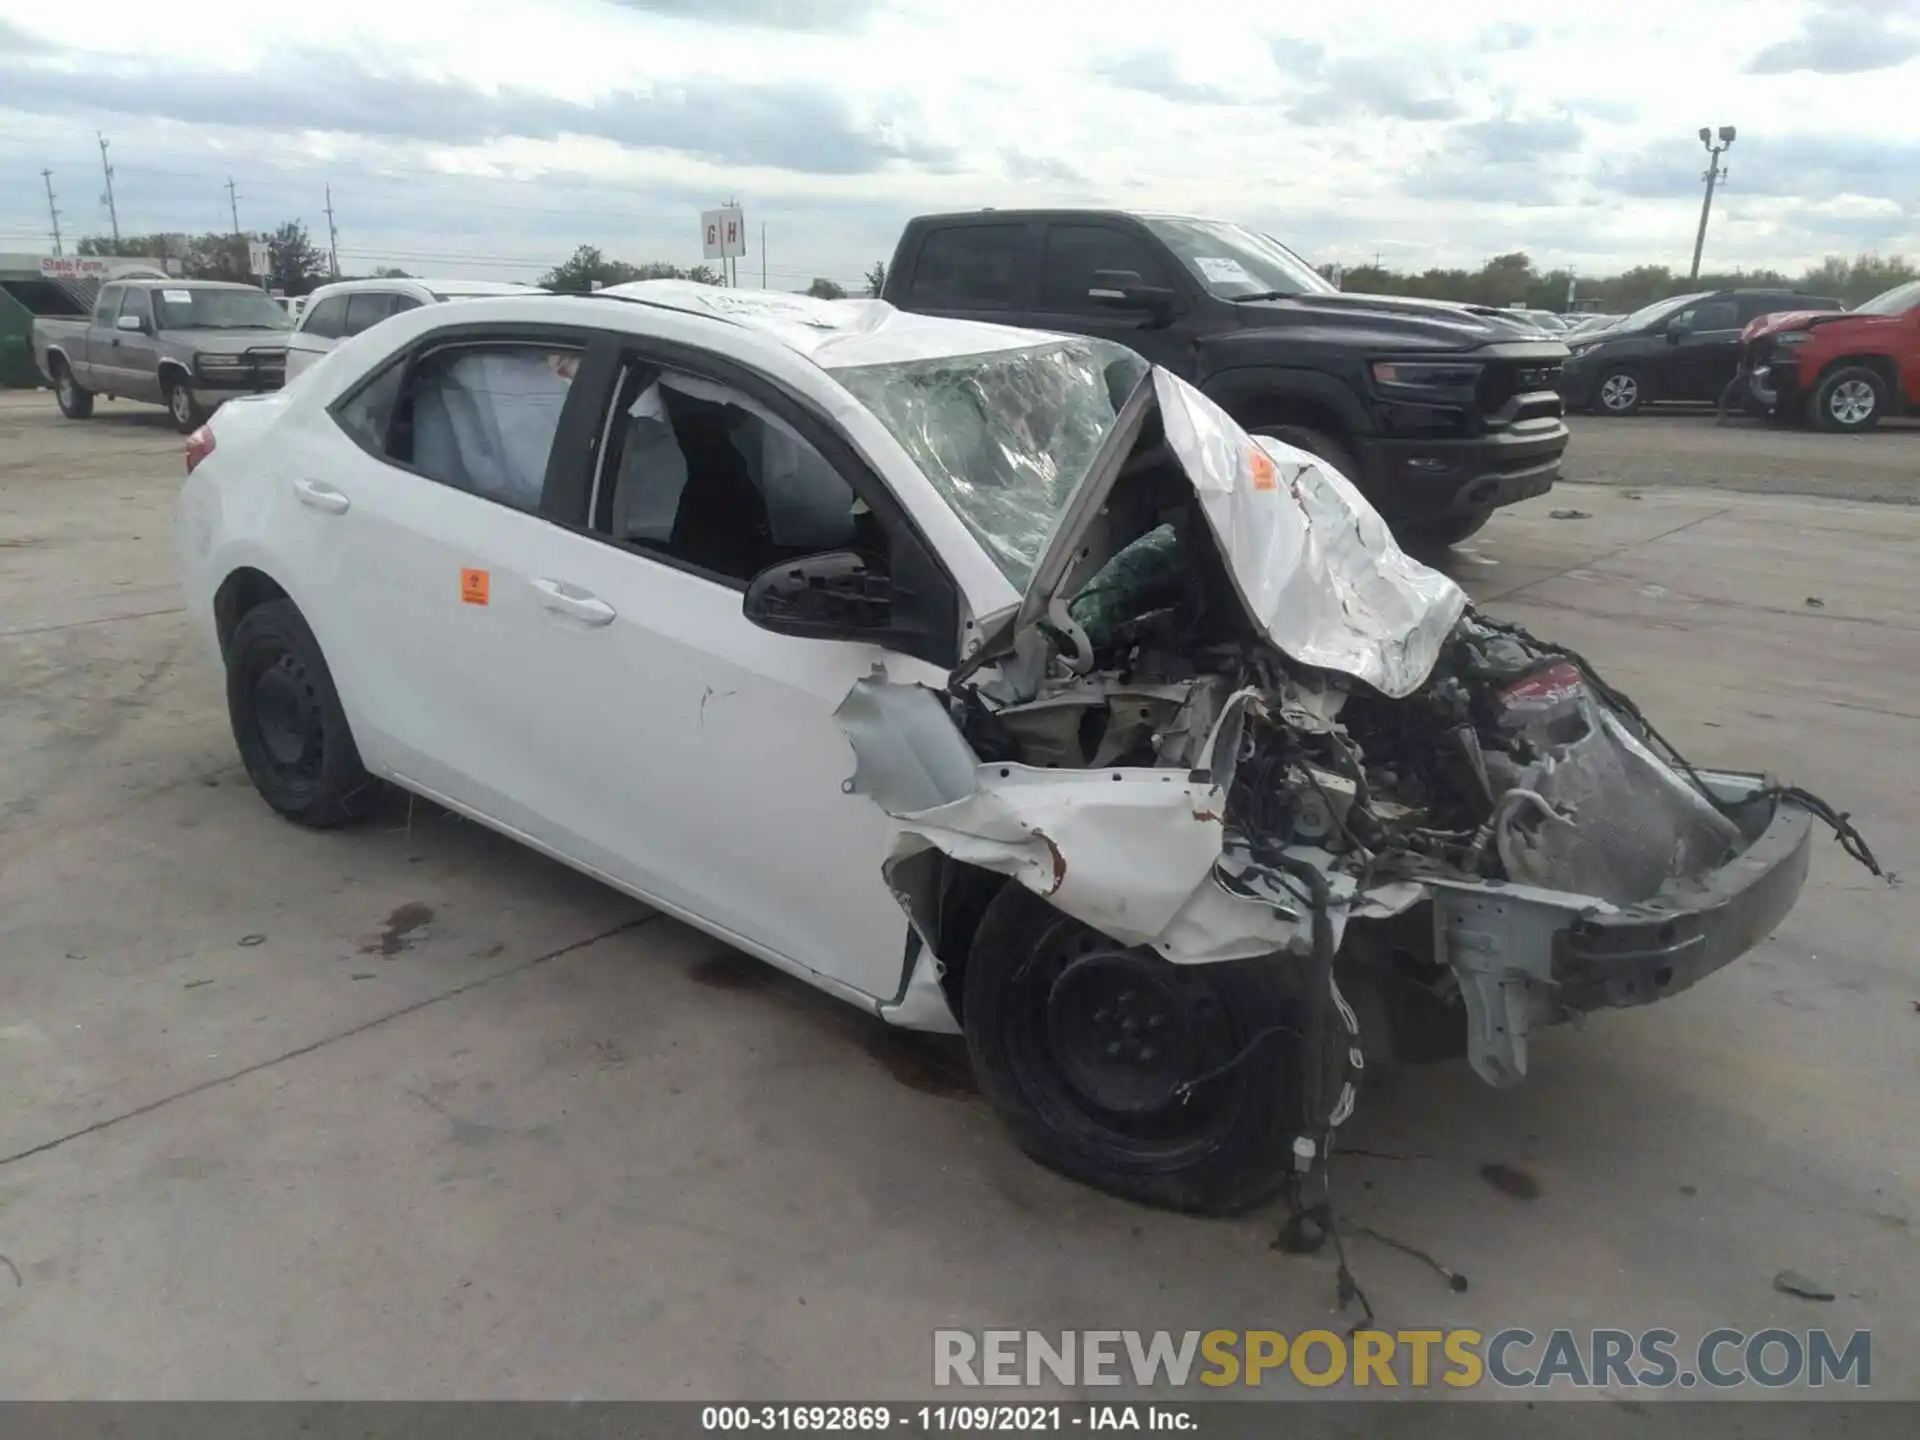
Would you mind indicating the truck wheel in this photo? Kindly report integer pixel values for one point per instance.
(1619, 392)
(287, 720)
(1085, 1047)
(1439, 534)
(76, 401)
(1316, 443)
(1849, 400)
(187, 416)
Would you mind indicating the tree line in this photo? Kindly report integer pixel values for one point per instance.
(1513, 280)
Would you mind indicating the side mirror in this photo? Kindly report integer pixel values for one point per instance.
(1677, 328)
(833, 596)
(130, 322)
(1125, 290)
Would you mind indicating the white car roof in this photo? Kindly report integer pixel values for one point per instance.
(833, 334)
(427, 283)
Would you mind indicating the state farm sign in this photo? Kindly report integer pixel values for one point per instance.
(73, 267)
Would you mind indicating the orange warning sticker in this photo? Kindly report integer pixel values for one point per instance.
(1265, 477)
(473, 587)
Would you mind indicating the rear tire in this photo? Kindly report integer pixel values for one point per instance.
(76, 401)
(1848, 401)
(1619, 393)
(288, 723)
(1080, 1043)
(185, 412)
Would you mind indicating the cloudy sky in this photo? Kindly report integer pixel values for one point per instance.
(494, 138)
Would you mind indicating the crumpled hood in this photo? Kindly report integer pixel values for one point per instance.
(1312, 561)
(1313, 564)
(1788, 320)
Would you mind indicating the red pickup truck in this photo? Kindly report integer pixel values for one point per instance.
(1844, 370)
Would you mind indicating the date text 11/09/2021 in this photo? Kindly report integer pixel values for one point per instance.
(945, 1419)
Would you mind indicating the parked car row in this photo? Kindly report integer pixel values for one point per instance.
(1803, 357)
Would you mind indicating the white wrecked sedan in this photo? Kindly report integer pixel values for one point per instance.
(992, 681)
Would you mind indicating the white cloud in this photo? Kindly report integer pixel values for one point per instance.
(500, 137)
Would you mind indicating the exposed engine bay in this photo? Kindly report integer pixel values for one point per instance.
(1231, 721)
(1232, 718)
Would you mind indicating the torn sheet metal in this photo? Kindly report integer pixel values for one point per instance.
(1139, 853)
(1314, 563)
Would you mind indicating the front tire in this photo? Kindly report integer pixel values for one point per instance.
(1319, 443)
(1848, 401)
(185, 412)
(288, 723)
(1082, 1045)
(76, 401)
(1619, 392)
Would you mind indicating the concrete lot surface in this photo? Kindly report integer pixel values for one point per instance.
(408, 1111)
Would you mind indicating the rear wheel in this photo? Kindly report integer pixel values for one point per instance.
(1848, 400)
(76, 401)
(1118, 1068)
(186, 413)
(1619, 392)
(287, 720)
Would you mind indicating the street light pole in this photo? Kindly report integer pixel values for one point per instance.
(1716, 172)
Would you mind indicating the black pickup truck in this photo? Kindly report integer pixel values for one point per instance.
(1439, 413)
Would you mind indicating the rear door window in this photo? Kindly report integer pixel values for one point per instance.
(327, 320)
(969, 267)
(480, 417)
(366, 308)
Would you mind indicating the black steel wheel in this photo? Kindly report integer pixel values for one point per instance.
(1128, 1072)
(287, 721)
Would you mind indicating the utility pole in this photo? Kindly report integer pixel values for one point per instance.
(763, 254)
(333, 239)
(113, 215)
(53, 211)
(1716, 172)
(233, 203)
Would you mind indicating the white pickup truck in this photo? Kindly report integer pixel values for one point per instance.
(186, 344)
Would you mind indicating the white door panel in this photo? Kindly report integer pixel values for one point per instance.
(703, 754)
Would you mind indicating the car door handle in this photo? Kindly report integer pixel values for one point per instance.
(573, 602)
(321, 497)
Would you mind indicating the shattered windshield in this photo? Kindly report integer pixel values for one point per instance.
(1005, 437)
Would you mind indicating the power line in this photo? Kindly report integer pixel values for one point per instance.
(53, 212)
(113, 214)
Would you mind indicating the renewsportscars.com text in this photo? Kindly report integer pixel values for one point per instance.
(1513, 1358)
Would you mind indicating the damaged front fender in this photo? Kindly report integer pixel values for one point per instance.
(1139, 853)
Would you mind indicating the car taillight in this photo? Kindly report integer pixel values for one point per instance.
(199, 446)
